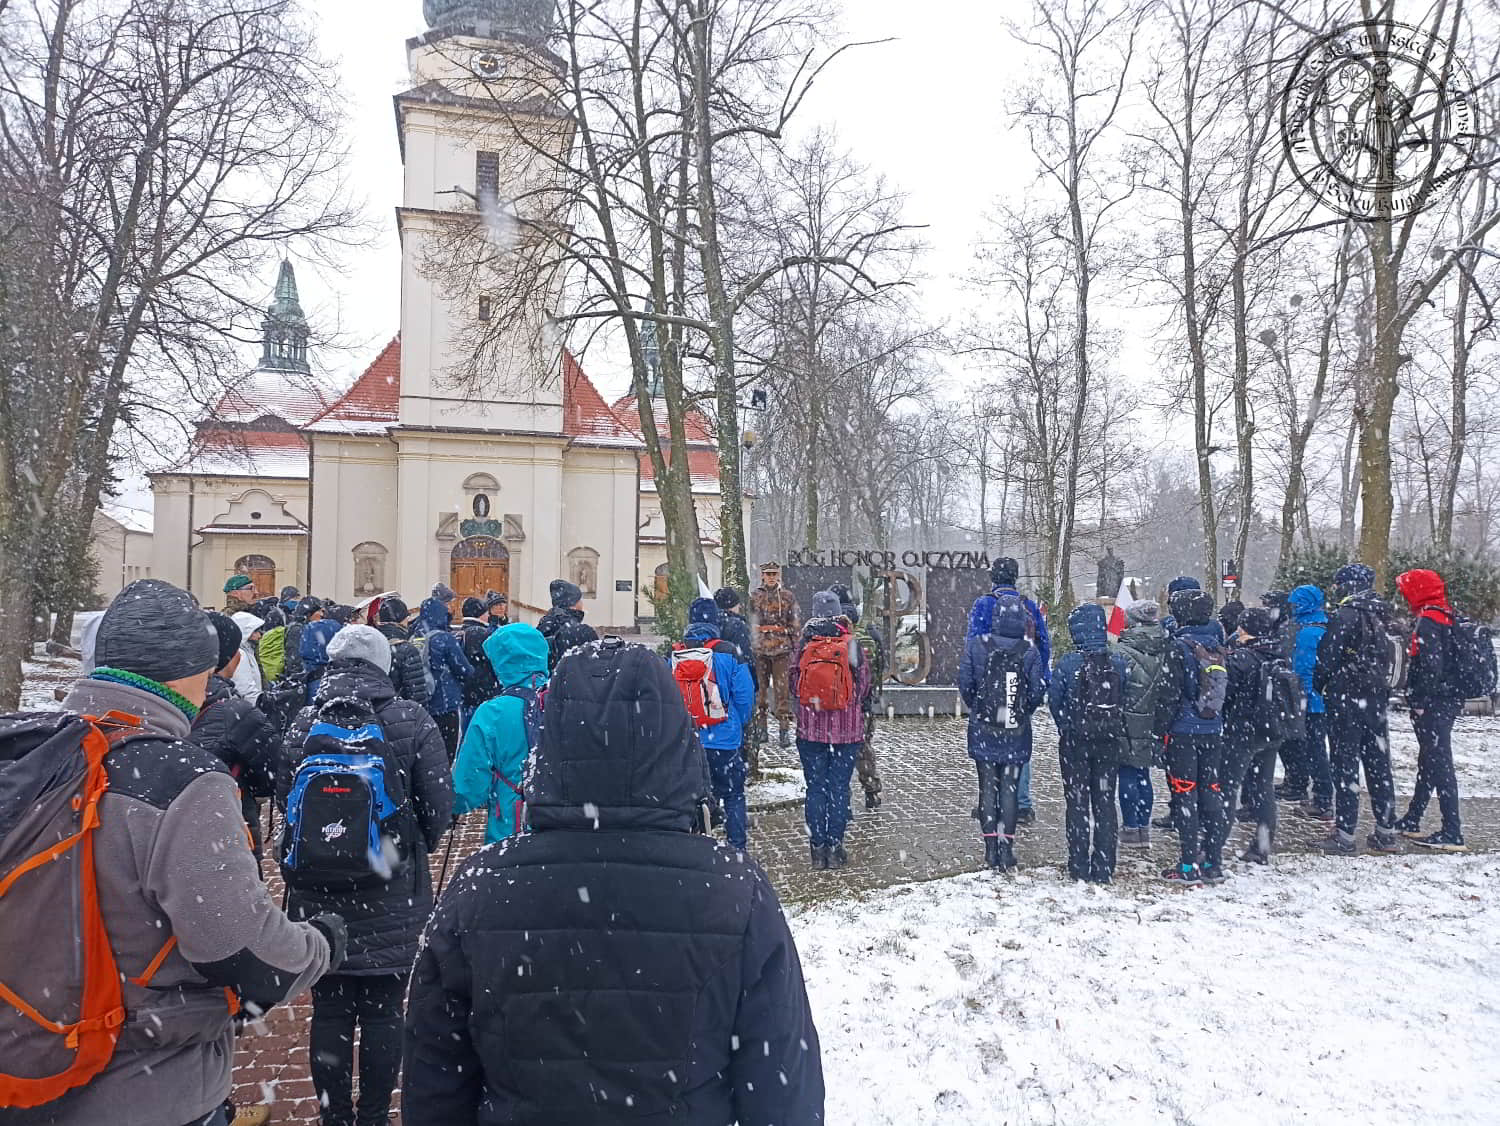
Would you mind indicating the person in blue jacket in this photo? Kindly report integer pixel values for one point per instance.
(1004, 572)
(1089, 754)
(312, 648)
(492, 761)
(450, 669)
(1195, 747)
(1306, 761)
(722, 741)
(1000, 718)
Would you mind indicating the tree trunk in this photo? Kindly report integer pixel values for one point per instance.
(1375, 413)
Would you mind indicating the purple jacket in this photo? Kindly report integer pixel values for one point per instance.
(847, 725)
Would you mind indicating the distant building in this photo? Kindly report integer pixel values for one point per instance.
(122, 548)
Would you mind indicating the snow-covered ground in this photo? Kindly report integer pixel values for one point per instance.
(1476, 754)
(40, 677)
(778, 785)
(1353, 991)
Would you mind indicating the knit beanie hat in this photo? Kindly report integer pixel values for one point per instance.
(564, 594)
(825, 604)
(1183, 582)
(1004, 571)
(846, 602)
(1257, 621)
(705, 611)
(727, 597)
(393, 610)
(236, 582)
(363, 643)
(344, 615)
(229, 638)
(1352, 577)
(290, 594)
(473, 607)
(156, 630)
(443, 593)
(1145, 613)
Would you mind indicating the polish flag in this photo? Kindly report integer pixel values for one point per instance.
(1123, 602)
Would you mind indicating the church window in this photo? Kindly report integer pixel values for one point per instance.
(487, 176)
(583, 570)
(486, 309)
(369, 568)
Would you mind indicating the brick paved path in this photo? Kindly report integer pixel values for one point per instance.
(922, 831)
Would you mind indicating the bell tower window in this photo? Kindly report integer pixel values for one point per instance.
(487, 177)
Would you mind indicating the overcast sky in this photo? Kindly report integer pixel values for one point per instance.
(925, 110)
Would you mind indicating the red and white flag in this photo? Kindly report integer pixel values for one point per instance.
(1123, 602)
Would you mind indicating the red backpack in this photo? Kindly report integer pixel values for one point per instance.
(693, 669)
(825, 680)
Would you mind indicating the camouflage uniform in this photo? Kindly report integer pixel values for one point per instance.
(775, 622)
(866, 764)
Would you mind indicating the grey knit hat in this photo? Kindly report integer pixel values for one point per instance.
(1143, 613)
(158, 631)
(364, 643)
(825, 604)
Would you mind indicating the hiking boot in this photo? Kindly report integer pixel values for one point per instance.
(1410, 827)
(1253, 855)
(1025, 817)
(991, 852)
(1007, 856)
(784, 737)
(1245, 815)
(872, 799)
(1212, 874)
(837, 857)
(1287, 793)
(976, 814)
(1338, 844)
(257, 1115)
(1384, 841)
(1185, 874)
(1127, 836)
(1164, 823)
(1315, 812)
(819, 856)
(1442, 842)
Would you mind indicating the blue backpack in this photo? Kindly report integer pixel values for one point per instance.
(348, 821)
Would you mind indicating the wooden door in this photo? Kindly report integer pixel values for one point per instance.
(262, 572)
(472, 578)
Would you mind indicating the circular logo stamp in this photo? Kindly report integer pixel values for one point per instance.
(1378, 119)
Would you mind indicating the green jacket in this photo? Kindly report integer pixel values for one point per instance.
(272, 653)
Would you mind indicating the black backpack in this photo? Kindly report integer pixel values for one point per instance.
(1281, 702)
(1099, 689)
(998, 702)
(1471, 665)
(1213, 679)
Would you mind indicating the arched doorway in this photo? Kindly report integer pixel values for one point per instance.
(262, 572)
(479, 564)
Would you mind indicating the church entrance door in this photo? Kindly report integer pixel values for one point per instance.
(478, 565)
(262, 572)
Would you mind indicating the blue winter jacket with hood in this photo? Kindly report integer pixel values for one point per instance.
(445, 657)
(984, 609)
(492, 761)
(1210, 635)
(1089, 631)
(736, 685)
(312, 648)
(988, 743)
(1309, 623)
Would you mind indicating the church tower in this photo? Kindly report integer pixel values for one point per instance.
(284, 329)
(473, 129)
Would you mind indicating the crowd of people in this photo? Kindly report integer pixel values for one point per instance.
(650, 967)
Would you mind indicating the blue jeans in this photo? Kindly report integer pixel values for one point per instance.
(1023, 791)
(727, 770)
(828, 767)
(1136, 796)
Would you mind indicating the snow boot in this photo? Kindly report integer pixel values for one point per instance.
(1442, 842)
(1007, 854)
(1026, 817)
(819, 856)
(872, 799)
(784, 736)
(1253, 855)
(1315, 812)
(1185, 874)
(1384, 841)
(837, 857)
(1410, 827)
(1338, 844)
(1212, 874)
(1164, 823)
(991, 850)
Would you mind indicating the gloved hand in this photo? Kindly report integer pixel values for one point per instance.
(337, 934)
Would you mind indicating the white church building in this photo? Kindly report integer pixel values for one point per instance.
(403, 481)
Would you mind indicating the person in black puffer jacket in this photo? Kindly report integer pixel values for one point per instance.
(562, 625)
(384, 922)
(408, 665)
(473, 631)
(611, 958)
(238, 732)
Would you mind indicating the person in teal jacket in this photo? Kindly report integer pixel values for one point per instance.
(492, 761)
(1307, 761)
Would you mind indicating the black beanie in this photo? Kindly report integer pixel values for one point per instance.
(473, 607)
(393, 610)
(1005, 571)
(727, 597)
(156, 630)
(229, 638)
(1257, 622)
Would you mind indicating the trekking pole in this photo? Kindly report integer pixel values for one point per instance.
(447, 856)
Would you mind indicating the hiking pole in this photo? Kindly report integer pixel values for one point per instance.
(447, 856)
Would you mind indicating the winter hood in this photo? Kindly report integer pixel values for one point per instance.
(313, 648)
(1008, 616)
(618, 750)
(1426, 594)
(1307, 603)
(435, 614)
(1086, 626)
(517, 653)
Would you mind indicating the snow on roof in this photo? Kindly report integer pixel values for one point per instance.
(373, 403)
(293, 398)
(131, 519)
(246, 453)
(586, 416)
(252, 530)
(697, 427)
(703, 467)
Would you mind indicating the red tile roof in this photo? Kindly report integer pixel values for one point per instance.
(374, 402)
(703, 465)
(585, 413)
(699, 431)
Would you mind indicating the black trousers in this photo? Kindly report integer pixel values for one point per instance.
(447, 725)
(374, 1004)
(1090, 775)
(1434, 727)
(1260, 796)
(1357, 737)
(998, 783)
(1194, 766)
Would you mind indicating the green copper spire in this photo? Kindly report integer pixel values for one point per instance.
(284, 330)
(530, 19)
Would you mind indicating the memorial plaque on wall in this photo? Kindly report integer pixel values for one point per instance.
(950, 596)
(805, 582)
